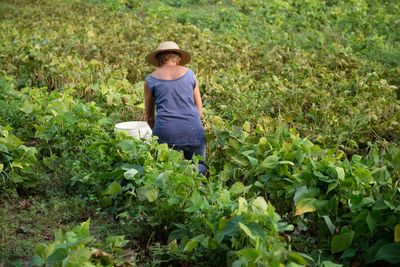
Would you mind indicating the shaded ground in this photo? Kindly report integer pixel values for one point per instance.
(25, 222)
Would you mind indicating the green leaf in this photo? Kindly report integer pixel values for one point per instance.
(363, 175)
(269, 162)
(116, 241)
(397, 233)
(331, 186)
(340, 173)
(380, 204)
(247, 231)
(389, 253)
(113, 189)
(237, 188)
(240, 159)
(342, 241)
(242, 208)
(206, 242)
(259, 206)
(57, 256)
(371, 223)
(304, 200)
(306, 205)
(330, 264)
(130, 174)
(178, 233)
(253, 161)
(1, 167)
(36, 261)
(42, 250)
(82, 230)
(251, 254)
(283, 162)
(329, 223)
(193, 243)
(295, 257)
(246, 126)
(348, 253)
(152, 194)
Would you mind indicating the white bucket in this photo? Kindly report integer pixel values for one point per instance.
(136, 129)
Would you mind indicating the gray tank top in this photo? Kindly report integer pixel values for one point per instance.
(177, 120)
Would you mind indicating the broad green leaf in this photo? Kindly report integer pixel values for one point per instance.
(282, 162)
(292, 264)
(80, 257)
(251, 254)
(173, 245)
(348, 253)
(329, 223)
(397, 233)
(57, 256)
(243, 206)
(330, 264)
(363, 175)
(306, 205)
(206, 242)
(130, 174)
(1, 167)
(253, 161)
(82, 230)
(196, 199)
(259, 206)
(303, 192)
(113, 189)
(162, 152)
(295, 257)
(36, 261)
(246, 126)
(331, 186)
(247, 231)
(340, 173)
(193, 243)
(17, 178)
(239, 263)
(42, 250)
(237, 188)
(270, 162)
(304, 200)
(117, 241)
(178, 233)
(371, 223)
(240, 159)
(389, 253)
(380, 204)
(342, 241)
(152, 194)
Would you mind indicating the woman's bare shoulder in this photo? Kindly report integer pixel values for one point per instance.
(183, 69)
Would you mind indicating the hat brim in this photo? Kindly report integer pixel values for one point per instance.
(152, 60)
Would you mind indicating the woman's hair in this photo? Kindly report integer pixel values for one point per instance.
(165, 56)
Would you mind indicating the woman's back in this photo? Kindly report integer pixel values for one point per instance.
(178, 120)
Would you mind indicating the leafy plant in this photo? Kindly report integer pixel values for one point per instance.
(74, 248)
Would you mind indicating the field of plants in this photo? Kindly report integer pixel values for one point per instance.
(302, 118)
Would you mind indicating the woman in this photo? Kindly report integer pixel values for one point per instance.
(174, 91)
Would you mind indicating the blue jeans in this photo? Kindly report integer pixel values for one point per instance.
(190, 150)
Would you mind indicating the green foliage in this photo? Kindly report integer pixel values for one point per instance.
(357, 196)
(326, 70)
(74, 249)
(18, 163)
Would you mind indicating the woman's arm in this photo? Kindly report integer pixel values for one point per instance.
(197, 99)
(148, 106)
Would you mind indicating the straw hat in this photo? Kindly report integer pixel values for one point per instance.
(168, 46)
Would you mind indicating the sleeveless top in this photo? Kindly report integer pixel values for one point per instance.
(177, 120)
